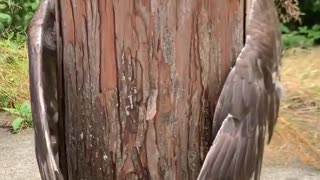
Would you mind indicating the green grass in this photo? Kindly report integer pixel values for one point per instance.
(14, 87)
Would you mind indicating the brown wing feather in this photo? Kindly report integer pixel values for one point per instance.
(43, 88)
(237, 149)
(249, 102)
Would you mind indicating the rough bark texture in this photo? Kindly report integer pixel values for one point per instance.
(141, 79)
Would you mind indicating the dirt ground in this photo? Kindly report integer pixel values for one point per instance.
(294, 152)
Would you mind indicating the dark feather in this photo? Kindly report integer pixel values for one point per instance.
(249, 101)
(43, 87)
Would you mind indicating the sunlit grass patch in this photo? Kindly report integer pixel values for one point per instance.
(297, 131)
(14, 87)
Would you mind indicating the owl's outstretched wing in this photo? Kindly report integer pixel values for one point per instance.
(42, 53)
(249, 102)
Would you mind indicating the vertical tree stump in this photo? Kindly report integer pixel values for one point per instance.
(141, 80)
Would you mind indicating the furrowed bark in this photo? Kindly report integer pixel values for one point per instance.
(140, 82)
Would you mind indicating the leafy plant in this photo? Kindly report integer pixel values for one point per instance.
(301, 37)
(16, 14)
(24, 118)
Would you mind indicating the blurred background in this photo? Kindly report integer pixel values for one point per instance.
(295, 147)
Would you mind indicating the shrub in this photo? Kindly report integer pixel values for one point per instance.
(15, 15)
(301, 37)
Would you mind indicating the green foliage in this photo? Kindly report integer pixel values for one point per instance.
(16, 14)
(24, 118)
(304, 33)
(301, 37)
(310, 5)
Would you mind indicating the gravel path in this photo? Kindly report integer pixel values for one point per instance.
(290, 173)
(17, 157)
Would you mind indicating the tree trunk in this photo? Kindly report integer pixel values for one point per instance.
(141, 79)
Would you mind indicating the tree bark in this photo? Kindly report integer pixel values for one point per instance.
(140, 83)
